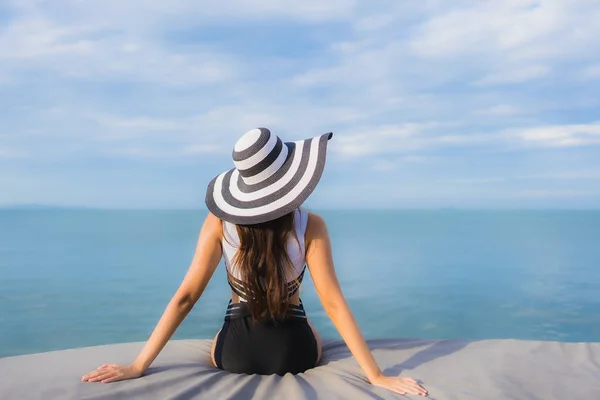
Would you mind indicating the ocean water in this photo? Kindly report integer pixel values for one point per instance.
(74, 278)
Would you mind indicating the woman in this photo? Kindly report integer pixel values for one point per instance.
(256, 223)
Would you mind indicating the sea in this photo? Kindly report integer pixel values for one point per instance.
(73, 278)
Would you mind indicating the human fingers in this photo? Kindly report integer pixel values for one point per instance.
(412, 388)
(413, 382)
(104, 375)
(409, 380)
(398, 389)
(91, 375)
(115, 378)
(96, 371)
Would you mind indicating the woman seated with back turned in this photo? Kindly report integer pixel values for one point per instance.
(267, 240)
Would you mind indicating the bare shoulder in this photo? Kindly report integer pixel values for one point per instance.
(315, 226)
(213, 225)
(318, 245)
(213, 219)
(317, 236)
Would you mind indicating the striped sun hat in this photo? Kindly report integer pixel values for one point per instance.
(271, 178)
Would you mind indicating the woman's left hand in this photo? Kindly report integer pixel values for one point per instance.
(112, 373)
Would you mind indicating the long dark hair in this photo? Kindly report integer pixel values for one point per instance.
(263, 262)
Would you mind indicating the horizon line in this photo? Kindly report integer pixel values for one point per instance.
(48, 207)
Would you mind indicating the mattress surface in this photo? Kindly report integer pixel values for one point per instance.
(449, 369)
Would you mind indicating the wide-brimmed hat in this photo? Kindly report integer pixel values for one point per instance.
(271, 178)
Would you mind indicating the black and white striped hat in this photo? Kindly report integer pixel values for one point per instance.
(270, 179)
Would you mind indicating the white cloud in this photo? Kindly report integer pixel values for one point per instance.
(477, 181)
(408, 138)
(209, 10)
(397, 82)
(419, 159)
(38, 37)
(395, 61)
(514, 29)
(12, 153)
(376, 21)
(513, 76)
(203, 149)
(500, 110)
(99, 52)
(401, 139)
(189, 151)
(151, 14)
(139, 152)
(574, 175)
(392, 163)
(133, 123)
(380, 139)
(585, 175)
(510, 42)
(383, 165)
(561, 135)
(554, 193)
(592, 72)
(268, 9)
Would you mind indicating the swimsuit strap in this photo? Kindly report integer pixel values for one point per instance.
(238, 286)
(294, 285)
(240, 310)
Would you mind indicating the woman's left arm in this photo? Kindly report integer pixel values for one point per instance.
(206, 258)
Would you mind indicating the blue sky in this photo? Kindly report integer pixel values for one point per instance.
(131, 104)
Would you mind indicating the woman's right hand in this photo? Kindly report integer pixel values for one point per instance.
(112, 373)
(401, 385)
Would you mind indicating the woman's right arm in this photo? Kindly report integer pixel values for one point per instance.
(319, 259)
(205, 261)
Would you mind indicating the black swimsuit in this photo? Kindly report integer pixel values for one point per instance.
(268, 346)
